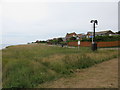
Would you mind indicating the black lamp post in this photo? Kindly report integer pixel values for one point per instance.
(94, 44)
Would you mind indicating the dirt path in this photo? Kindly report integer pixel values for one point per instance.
(104, 75)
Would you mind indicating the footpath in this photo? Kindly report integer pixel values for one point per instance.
(103, 75)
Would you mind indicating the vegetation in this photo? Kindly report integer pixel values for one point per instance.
(97, 39)
(30, 65)
(56, 41)
(73, 38)
(104, 38)
(40, 41)
(118, 32)
(100, 38)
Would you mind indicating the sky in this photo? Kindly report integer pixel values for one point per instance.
(24, 21)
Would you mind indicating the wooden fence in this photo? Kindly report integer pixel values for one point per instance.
(99, 44)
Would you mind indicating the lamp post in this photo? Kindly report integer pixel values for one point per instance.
(94, 44)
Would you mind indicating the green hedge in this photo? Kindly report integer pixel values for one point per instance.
(100, 38)
(104, 38)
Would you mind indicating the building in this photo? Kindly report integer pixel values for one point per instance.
(69, 35)
(77, 36)
(80, 36)
(101, 33)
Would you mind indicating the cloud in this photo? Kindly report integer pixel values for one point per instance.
(22, 12)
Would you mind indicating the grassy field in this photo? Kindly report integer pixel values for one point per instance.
(31, 65)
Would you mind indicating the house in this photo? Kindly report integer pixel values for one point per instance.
(80, 36)
(69, 35)
(77, 36)
(101, 33)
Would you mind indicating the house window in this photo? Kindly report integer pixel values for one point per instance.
(73, 35)
(110, 34)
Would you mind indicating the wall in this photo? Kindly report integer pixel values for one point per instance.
(99, 44)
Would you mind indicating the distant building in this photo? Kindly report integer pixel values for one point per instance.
(77, 36)
(81, 36)
(101, 33)
(69, 35)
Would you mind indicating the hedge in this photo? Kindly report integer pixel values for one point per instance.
(100, 38)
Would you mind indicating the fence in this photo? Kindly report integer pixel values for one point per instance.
(99, 44)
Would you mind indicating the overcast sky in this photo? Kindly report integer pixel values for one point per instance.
(28, 20)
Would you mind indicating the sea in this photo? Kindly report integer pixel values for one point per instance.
(2, 46)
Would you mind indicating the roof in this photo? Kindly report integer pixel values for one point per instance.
(80, 35)
(70, 34)
(101, 32)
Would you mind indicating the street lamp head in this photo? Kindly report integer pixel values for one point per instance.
(91, 21)
(94, 21)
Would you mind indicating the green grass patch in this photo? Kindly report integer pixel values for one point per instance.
(27, 66)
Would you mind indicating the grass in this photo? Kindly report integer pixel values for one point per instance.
(0, 69)
(27, 66)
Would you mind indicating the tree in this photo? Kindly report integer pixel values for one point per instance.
(73, 38)
(60, 39)
(118, 32)
(54, 41)
(37, 41)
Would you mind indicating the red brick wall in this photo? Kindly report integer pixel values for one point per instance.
(99, 44)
